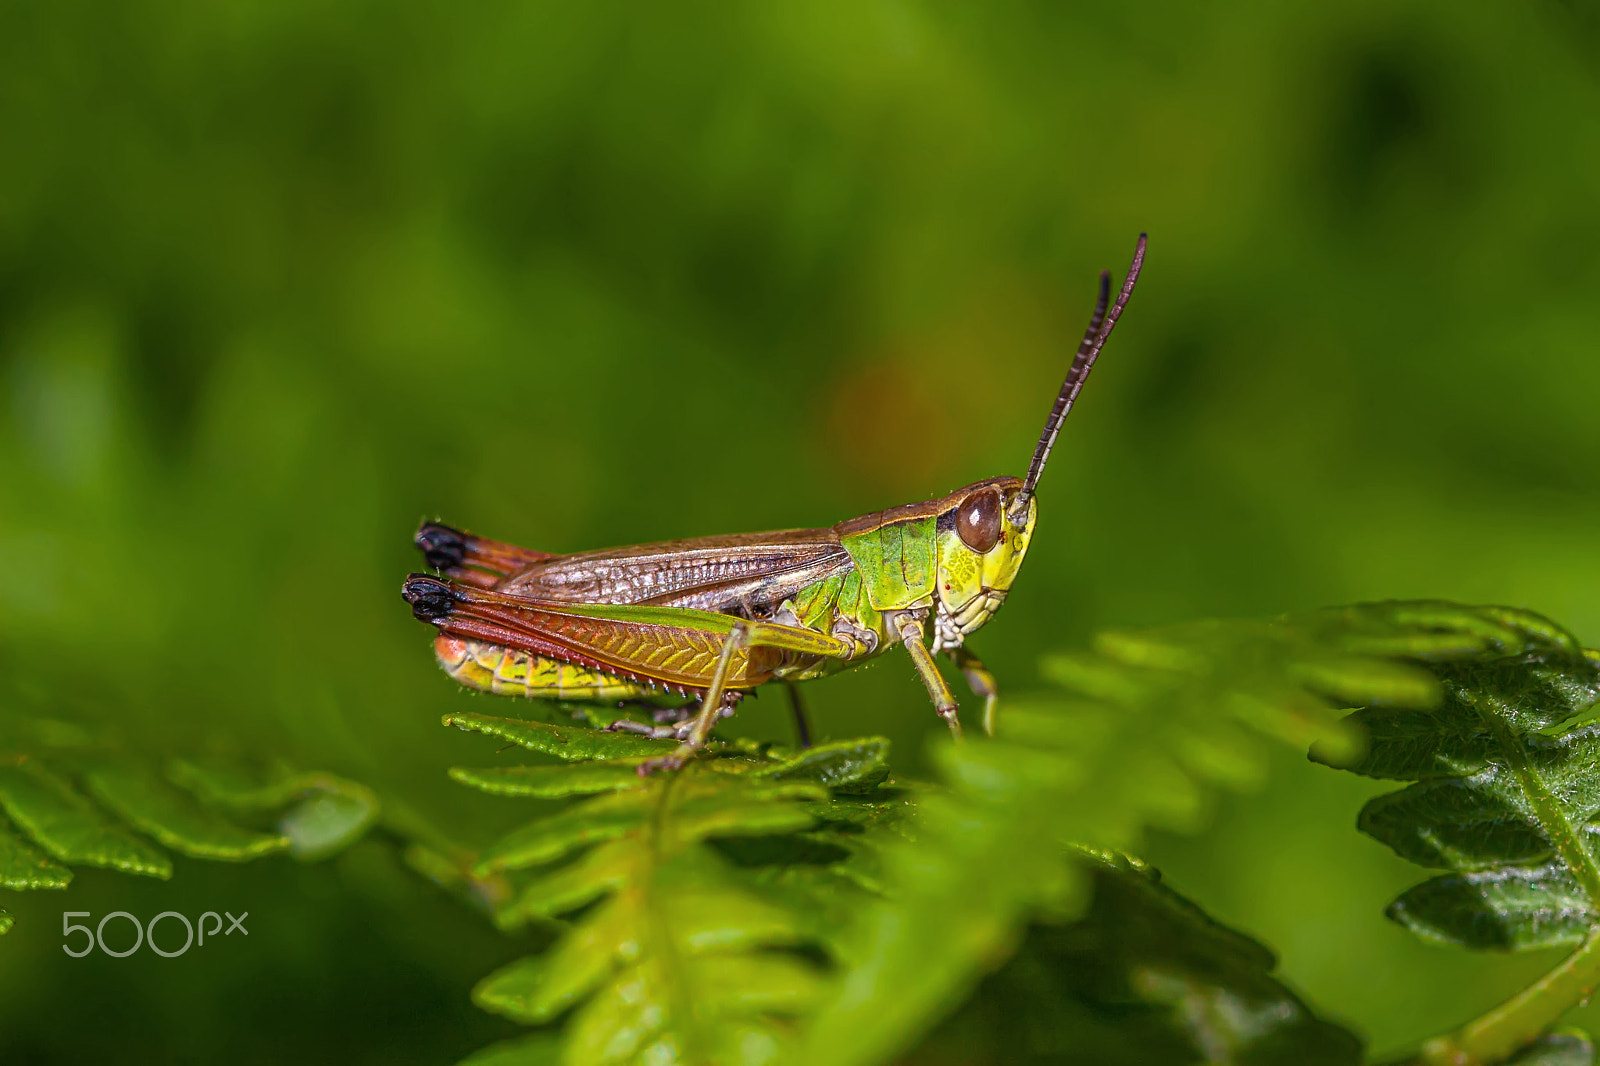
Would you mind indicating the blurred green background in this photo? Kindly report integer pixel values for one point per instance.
(277, 280)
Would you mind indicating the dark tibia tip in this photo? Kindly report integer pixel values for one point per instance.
(444, 548)
(430, 598)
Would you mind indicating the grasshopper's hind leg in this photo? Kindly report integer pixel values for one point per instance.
(717, 703)
(980, 680)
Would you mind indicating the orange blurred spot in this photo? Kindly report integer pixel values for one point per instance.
(888, 428)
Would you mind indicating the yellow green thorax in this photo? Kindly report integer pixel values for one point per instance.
(896, 562)
(914, 559)
(839, 606)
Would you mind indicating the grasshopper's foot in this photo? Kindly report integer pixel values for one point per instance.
(676, 761)
(692, 735)
(952, 718)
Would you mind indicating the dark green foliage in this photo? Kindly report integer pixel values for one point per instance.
(70, 800)
(1504, 796)
(541, 1049)
(1144, 976)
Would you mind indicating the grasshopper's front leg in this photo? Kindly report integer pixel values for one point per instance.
(910, 630)
(980, 680)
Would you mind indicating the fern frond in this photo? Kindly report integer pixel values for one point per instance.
(72, 800)
(1499, 799)
(749, 909)
(22, 866)
(319, 813)
(683, 952)
(1142, 727)
(1505, 796)
(67, 825)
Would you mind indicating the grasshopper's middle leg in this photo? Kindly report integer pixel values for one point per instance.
(802, 726)
(710, 709)
(943, 701)
(980, 680)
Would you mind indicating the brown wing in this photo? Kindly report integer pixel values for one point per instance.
(675, 647)
(751, 573)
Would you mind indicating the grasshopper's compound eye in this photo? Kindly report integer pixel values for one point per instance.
(978, 520)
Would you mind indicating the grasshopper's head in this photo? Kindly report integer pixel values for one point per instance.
(981, 545)
(984, 529)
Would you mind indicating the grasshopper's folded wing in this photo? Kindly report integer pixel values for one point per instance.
(470, 559)
(746, 572)
(674, 647)
(752, 571)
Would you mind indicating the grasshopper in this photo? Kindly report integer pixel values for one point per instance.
(715, 617)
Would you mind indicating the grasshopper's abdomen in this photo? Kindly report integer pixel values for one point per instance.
(510, 672)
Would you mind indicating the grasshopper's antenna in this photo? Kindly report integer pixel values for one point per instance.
(1094, 338)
